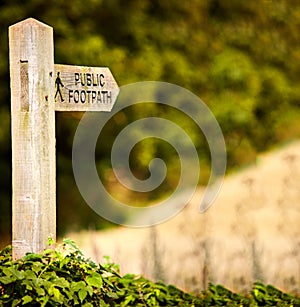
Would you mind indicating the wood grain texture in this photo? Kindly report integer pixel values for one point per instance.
(24, 87)
(33, 136)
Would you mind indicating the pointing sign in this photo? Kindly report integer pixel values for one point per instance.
(81, 88)
(36, 82)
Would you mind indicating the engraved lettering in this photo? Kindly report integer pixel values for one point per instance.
(76, 78)
(76, 96)
(88, 79)
(70, 95)
(82, 96)
(94, 95)
(102, 83)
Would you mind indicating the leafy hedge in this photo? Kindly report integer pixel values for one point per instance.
(63, 277)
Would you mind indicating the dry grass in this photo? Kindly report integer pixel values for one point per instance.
(251, 232)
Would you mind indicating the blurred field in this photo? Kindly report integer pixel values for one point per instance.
(251, 232)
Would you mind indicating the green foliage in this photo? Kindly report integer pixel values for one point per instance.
(63, 277)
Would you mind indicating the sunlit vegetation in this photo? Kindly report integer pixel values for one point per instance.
(63, 277)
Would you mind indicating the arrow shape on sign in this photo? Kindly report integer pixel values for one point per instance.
(83, 88)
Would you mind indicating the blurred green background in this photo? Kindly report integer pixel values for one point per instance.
(242, 58)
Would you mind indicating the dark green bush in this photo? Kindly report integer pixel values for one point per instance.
(63, 277)
(66, 278)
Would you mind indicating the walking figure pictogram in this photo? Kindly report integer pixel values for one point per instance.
(58, 84)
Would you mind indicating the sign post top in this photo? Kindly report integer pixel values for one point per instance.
(30, 22)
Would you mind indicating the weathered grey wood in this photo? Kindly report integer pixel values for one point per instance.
(38, 88)
(33, 136)
(81, 88)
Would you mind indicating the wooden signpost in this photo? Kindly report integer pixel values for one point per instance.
(38, 89)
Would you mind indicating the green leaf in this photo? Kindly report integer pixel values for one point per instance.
(82, 294)
(30, 274)
(7, 280)
(95, 280)
(40, 291)
(7, 271)
(103, 304)
(55, 292)
(71, 243)
(90, 290)
(77, 286)
(28, 284)
(26, 299)
(112, 295)
(50, 241)
(64, 262)
(88, 305)
(44, 300)
(15, 302)
(60, 282)
(157, 292)
(128, 300)
(37, 282)
(37, 267)
(32, 257)
(47, 252)
(17, 274)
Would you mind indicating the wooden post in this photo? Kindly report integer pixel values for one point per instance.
(33, 136)
(35, 83)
